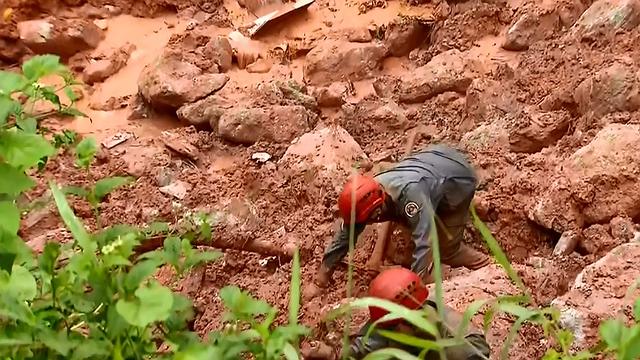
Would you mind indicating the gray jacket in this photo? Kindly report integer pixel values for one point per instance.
(434, 179)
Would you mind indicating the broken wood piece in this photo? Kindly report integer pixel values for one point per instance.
(283, 11)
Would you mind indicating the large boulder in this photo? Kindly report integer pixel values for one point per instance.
(332, 61)
(598, 182)
(605, 17)
(63, 38)
(600, 292)
(448, 71)
(612, 89)
(278, 124)
(329, 151)
(170, 83)
(532, 130)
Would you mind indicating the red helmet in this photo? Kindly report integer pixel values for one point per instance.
(369, 195)
(399, 285)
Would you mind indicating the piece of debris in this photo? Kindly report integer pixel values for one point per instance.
(286, 9)
(116, 139)
(101, 24)
(246, 51)
(178, 189)
(261, 157)
(179, 145)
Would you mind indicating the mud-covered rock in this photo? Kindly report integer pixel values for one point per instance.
(532, 130)
(447, 71)
(485, 96)
(597, 238)
(599, 292)
(615, 88)
(328, 152)
(332, 61)
(489, 137)
(169, 83)
(278, 124)
(597, 183)
(532, 25)
(63, 38)
(605, 17)
(219, 50)
(622, 228)
(204, 113)
(358, 34)
(403, 35)
(99, 70)
(331, 96)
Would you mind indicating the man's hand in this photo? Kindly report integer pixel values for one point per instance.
(314, 289)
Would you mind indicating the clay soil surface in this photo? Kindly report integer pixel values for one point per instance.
(440, 67)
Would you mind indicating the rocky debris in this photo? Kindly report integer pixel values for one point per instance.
(599, 292)
(622, 227)
(597, 183)
(615, 88)
(102, 24)
(211, 54)
(206, 112)
(447, 71)
(331, 96)
(63, 38)
(329, 152)
(288, 92)
(532, 130)
(169, 83)
(178, 189)
(604, 17)
(486, 138)
(533, 23)
(597, 239)
(248, 125)
(99, 70)
(111, 103)
(567, 242)
(332, 61)
(260, 66)
(405, 34)
(357, 34)
(485, 97)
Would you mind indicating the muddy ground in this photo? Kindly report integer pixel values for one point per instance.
(542, 96)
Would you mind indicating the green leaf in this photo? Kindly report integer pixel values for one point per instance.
(9, 217)
(70, 111)
(71, 220)
(7, 107)
(57, 341)
(390, 353)
(90, 348)
(49, 257)
(15, 250)
(10, 82)
(49, 94)
(14, 181)
(241, 305)
(14, 309)
(294, 291)
(41, 65)
(85, 152)
(21, 285)
(290, 352)
(153, 303)
(172, 250)
(28, 124)
(140, 272)
(107, 185)
(611, 333)
(201, 257)
(636, 310)
(23, 150)
(75, 190)
(6, 261)
(471, 310)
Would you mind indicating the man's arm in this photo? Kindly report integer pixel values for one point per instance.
(339, 247)
(419, 213)
(359, 348)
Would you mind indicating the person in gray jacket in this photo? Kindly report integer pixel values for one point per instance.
(438, 181)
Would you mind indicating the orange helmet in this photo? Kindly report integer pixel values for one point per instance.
(399, 285)
(369, 195)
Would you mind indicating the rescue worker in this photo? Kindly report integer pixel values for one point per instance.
(405, 287)
(435, 181)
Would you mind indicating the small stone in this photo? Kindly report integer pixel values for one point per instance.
(178, 189)
(101, 23)
(261, 157)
